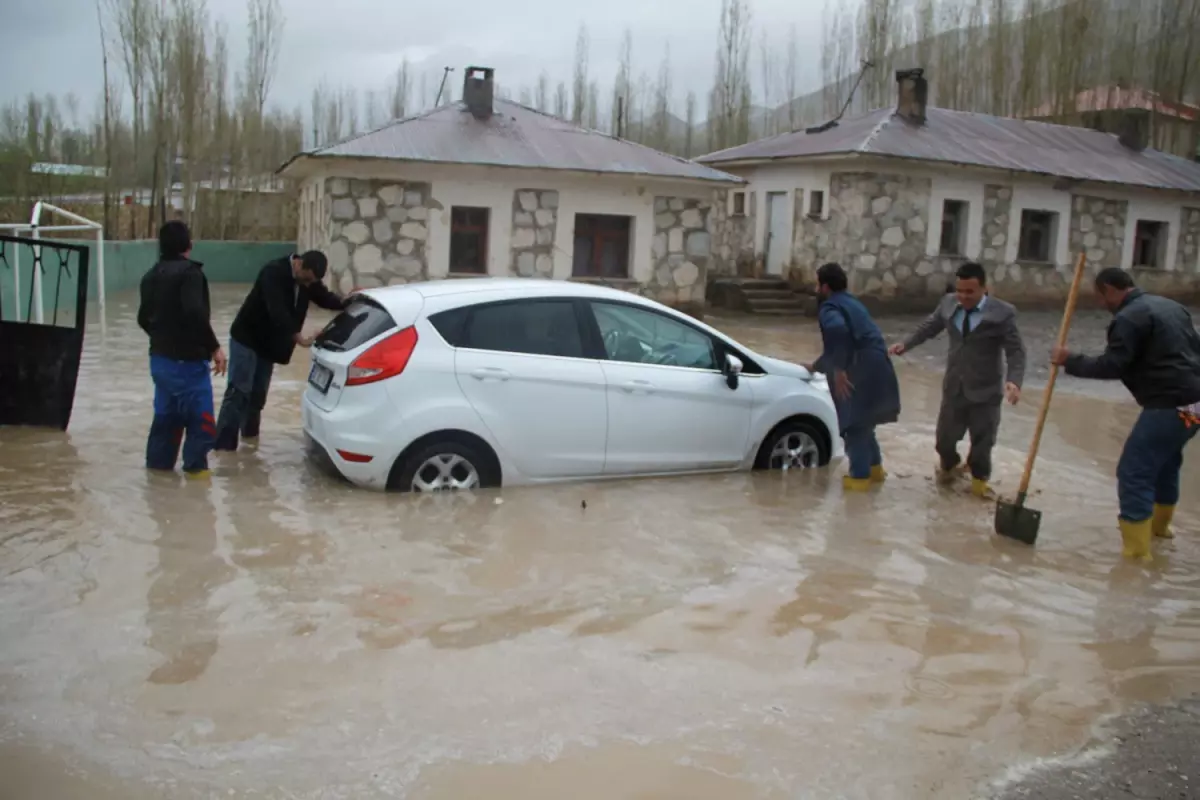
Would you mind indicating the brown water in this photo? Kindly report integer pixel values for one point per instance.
(278, 635)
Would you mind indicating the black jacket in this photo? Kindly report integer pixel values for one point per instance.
(175, 310)
(274, 311)
(1153, 348)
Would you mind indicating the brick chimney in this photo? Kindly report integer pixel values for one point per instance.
(1134, 130)
(478, 88)
(913, 95)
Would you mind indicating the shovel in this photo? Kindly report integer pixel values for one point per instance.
(1015, 520)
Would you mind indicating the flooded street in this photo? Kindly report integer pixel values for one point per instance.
(277, 634)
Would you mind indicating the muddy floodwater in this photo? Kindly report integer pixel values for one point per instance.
(277, 634)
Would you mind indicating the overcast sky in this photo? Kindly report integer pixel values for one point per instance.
(52, 46)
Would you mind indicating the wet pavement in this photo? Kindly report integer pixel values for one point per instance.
(277, 634)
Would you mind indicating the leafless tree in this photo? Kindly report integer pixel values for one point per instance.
(580, 85)
(729, 104)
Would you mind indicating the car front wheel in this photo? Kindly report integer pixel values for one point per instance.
(447, 466)
(796, 444)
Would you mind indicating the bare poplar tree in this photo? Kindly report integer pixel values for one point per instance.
(690, 121)
(623, 86)
(580, 86)
(542, 102)
(730, 102)
(265, 36)
(401, 90)
(661, 128)
(766, 64)
(104, 45)
(560, 100)
(790, 77)
(132, 23)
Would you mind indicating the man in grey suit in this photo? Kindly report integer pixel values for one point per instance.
(986, 364)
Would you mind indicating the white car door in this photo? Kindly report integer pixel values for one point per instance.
(521, 366)
(669, 406)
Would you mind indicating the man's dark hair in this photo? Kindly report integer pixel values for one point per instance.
(1116, 278)
(972, 271)
(174, 239)
(833, 276)
(315, 262)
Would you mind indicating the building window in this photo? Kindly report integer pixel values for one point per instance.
(601, 246)
(816, 203)
(954, 228)
(1150, 244)
(468, 239)
(1039, 231)
(738, 204)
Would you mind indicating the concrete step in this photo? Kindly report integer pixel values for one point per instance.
(767, 294)
(757, 305)
(780, 312)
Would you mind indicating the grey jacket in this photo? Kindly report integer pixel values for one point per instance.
(975, 367)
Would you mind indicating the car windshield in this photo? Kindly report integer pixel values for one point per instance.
(362, 321)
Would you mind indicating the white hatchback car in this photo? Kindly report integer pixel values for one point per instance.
(459, 384)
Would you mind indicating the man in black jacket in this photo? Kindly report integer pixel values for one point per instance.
(174, 312)
(1153, 348)
(265, 332)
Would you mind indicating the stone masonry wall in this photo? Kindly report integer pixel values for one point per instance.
(378, 232)
(732, 238)
(1098, 227)
(877, 231)
(1189, 241)
(879, 226)
(682, 251)
(534, 223)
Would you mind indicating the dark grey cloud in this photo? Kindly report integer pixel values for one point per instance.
(53, 46)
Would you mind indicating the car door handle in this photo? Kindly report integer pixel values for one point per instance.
(490, 373)
(645, 387)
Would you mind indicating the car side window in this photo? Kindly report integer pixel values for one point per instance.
(535, 327)
(639, 336)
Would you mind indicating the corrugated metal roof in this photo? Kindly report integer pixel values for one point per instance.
(514, 136)
(982, 140)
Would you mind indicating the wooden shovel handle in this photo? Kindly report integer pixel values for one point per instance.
(1068, 312)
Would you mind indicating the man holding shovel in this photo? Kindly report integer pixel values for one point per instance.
(986, 364)
(1154, 350)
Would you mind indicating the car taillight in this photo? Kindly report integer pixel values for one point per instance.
(384, 360)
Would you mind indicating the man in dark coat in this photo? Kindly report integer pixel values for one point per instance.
(861, 376)
(1153, 348)
(174, 312)
(265, 332)
(985, 365)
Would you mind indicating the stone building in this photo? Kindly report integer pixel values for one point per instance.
(902, 198)
(489, 187)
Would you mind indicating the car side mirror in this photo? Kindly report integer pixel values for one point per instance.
(733, 368)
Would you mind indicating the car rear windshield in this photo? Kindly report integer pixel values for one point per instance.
(361, 322)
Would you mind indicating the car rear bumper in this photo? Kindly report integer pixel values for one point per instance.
(328, 445)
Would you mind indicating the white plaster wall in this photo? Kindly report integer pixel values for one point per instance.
(1040, 198)
(493, 188)
(966, 190)
(785, 178)
(1153, 211)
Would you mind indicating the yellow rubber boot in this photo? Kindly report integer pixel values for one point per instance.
(980, 488)
(855, 484)
(878, 474)
(198, 475)
(1161, 522)
(1136, 537)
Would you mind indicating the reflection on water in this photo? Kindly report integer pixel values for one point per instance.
(277, 634)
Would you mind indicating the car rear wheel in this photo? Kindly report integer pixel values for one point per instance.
(444, 466)
(796, 444)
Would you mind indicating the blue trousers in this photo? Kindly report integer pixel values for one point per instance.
(245, 395)
(1148, 472)
(862, 450)
(183, 402)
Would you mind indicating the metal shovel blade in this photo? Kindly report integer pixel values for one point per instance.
(1016, 521)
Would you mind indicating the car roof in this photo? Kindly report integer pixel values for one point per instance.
(516, 287)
